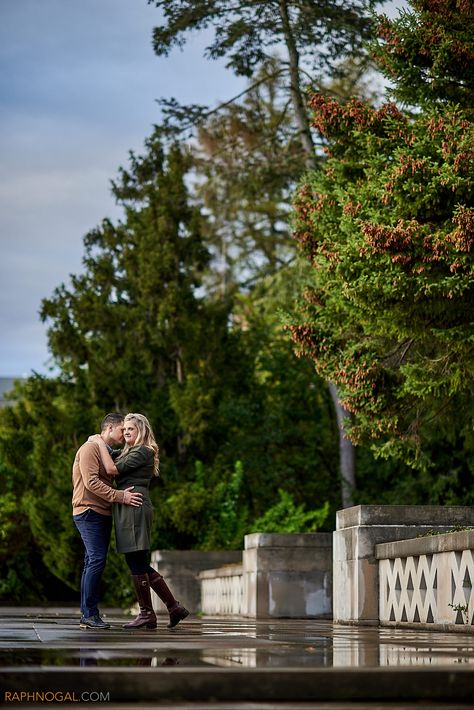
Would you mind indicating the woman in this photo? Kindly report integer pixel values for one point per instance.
(136, 466)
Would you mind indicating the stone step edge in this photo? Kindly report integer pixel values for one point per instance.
(221, 684)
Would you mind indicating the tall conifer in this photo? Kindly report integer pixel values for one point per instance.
(388, 226)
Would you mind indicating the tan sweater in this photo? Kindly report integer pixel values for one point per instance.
(91, 484)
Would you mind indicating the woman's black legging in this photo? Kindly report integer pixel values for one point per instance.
(137, 562)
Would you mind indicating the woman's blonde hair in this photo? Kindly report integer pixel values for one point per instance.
(145, 437)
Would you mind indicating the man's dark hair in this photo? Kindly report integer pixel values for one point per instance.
(113, 418)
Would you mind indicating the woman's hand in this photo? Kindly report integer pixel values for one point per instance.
(95, 437)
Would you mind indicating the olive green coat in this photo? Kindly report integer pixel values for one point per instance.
(133, 524)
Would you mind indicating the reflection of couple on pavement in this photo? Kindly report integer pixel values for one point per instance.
(94, 501)
(88, 657)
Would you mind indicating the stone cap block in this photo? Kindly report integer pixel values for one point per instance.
(193, 554)
(448, 542)
(315, 540)
(224, 571)
(431, 515)
(189, 562)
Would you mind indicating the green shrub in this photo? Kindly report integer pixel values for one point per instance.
(287, 517)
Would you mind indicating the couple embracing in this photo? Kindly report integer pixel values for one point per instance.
(95, 501)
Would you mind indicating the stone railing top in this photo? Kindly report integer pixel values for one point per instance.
(449, 542)
(428, 515)
(197, 554)
(287, 540)
(224, 571)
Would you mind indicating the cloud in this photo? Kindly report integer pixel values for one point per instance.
(78, 83)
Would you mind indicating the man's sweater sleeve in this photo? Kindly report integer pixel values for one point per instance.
(90, 465)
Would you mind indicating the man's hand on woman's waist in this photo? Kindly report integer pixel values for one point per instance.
(130, 498)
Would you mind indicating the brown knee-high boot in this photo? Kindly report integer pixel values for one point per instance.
(176, 610)
(146, 616)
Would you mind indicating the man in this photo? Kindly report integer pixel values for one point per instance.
(92, 500)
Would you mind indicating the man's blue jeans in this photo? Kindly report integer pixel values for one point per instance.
(95, 530)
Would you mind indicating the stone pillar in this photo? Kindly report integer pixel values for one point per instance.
(181, 568)
(358, 530)
(286, 575)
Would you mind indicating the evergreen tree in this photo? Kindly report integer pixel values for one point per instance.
(247, 161)
(38, 438)
(314, 37)
(248, 158)
(133, 323)
(137, 331)
(428, 53)
(388, 227)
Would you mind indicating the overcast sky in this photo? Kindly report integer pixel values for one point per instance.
(78, 83)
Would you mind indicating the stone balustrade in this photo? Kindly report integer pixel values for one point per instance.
(359, 530)
(427, 581)
(222, 591)
(282, 575)
(381, 570)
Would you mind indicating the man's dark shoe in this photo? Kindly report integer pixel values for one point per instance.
(93, 622)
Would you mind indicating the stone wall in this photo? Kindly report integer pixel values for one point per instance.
(358, 531)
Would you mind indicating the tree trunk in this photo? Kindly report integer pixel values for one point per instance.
(181, 447)
(346, 448)
(179, 366)
(346, 451)
(297, 97)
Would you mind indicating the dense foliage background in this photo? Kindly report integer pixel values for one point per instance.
(191, 307)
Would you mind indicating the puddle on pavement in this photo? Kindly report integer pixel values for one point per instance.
(89, 657)
(318, 656)
(231, 643)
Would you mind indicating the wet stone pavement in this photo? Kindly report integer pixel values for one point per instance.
(229, 663)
